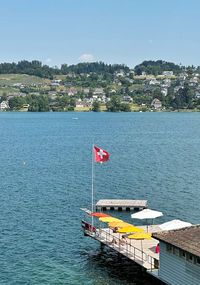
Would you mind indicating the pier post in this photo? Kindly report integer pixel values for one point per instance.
(102, 246)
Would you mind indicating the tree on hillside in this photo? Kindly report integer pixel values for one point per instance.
(16, 103)
(3, 97)
(157, 94)
(114, 104)
(125, 107)
(183, 98)
(157, 67)
(96, 106)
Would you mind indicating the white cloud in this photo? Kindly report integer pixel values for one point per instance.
(48, 60)
(150, 41)
(86, 57)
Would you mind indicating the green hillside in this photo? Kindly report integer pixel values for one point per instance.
(10, 79)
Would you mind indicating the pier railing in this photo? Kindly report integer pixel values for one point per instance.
(106, 237)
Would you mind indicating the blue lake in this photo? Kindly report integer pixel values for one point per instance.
(45, 166)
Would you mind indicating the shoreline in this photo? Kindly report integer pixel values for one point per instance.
(104, 111)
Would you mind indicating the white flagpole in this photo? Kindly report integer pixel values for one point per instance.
(92, 181)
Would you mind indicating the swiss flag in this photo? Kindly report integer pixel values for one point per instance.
(100, 154)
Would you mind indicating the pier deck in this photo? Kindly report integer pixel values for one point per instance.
(123, 205)
(141, 252)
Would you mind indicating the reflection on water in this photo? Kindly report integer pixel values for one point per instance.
(118, 268)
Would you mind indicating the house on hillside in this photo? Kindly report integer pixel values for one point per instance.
(26, 106)
(127, 99)
(197, 94)
(70, 92)
(86, 90)
(52, 94)
(82, 103)
(167, 82)
(4, 105)
(193, 81)
(156, 103)
(154, 82)
(179, 256)
(167, 73)
(177, 88)
(120, 73)
(164, 91)
(98, 91)
(182, 76)
(56, 80)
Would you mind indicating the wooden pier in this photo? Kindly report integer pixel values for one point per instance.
(141, 252)
(121, 205)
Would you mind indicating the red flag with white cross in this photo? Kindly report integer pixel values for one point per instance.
(100, 154)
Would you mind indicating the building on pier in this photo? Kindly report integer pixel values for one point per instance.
(180, 256)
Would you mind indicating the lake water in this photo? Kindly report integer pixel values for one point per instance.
(45, 166)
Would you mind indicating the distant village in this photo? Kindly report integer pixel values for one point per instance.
(87, 91)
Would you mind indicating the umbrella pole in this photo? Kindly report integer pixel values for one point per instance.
(142, 249)
(92, 183)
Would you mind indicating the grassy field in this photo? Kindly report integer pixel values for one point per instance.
(82, 109)
(135, 87)
(134, 107)
(10, 79)
(7, 90)
(87, 109)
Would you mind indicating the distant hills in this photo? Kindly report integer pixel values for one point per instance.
(150, 86)
(157, 67)
(36, 68)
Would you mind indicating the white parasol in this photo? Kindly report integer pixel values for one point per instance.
(147, 214)
(174, 225)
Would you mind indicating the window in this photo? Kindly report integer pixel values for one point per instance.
(198, 261)
(175, 251)
(182, 253)
(189, 257)
(169, 247)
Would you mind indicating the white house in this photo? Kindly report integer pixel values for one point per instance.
(197, 94)
(26, 105)
(167, 73)
(194, 80)
(86, 90)
(164, 91)
(153, 81)
(98, 91)
(156, 103)
(177, 88)
(182, 76)
(81, 104)
(127, 99)
(121, 73)
(179, 256)
(56, 80)
(4, 105)
(112, 91)
(167, 82)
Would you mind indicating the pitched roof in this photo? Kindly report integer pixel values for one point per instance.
(187, 239)
(155, 100)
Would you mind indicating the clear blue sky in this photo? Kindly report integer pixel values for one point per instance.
(113, 31)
